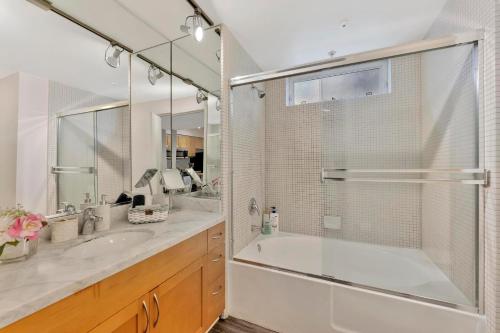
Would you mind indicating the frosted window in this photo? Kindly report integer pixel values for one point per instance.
(349, 82)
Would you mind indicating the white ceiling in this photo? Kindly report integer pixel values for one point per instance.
(284, 33)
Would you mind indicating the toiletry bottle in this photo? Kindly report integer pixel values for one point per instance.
(103, 210)
(275, 220)
(267, 228)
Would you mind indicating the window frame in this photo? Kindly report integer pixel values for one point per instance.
(384, 65)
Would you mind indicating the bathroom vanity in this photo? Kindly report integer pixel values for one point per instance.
(174, 282)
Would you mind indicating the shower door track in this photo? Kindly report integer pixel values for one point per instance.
(461, 307)
(394, 51)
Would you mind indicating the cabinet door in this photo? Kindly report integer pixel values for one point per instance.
(132, 319)
(177, 304)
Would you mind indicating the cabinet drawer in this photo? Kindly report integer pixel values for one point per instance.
(215, 296)
(215, 263)
(216, 236)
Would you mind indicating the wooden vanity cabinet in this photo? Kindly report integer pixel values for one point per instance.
(132, 319)
(177, 304)
(180, 290)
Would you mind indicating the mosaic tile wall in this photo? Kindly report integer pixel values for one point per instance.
(373, 132)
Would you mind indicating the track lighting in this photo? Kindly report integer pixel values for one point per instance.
(112, 55)
(201, 96)
(194, 25)
(154, 74)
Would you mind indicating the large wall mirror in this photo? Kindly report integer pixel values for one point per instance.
(64, 114)
(175, 103)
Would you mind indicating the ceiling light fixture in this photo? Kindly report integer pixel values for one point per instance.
(194, 25)
(154, 74)
(218, 54)
(201, 96)
(112, 55)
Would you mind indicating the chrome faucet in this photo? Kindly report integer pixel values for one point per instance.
(89, 219)
(67, 207)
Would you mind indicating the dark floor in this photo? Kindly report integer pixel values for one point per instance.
(233, 325)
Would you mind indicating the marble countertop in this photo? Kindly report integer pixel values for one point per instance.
(47, 277)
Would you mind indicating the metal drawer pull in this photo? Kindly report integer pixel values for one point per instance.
(214, 293)
(157, 305)
(218, 258)
(218, 236)
(146, 311)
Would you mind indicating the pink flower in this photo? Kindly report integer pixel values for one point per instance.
(26, 227)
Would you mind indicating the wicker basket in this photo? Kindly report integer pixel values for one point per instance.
(148, 214)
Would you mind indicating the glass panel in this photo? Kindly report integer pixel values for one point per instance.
(417, 239)
(76, 148)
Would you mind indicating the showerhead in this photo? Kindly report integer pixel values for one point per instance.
(201, 96)
(260, 93)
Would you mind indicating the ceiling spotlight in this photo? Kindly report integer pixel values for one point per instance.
(154, 74)
(194, 25)
(332, 53)
(112, 55)
(201, 96)
(218, 54)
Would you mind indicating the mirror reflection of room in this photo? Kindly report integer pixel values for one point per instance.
(65, 120)
(175, 94)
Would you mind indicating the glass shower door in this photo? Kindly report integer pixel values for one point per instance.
(76, 165)
(403, 181)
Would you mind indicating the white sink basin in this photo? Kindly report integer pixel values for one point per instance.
(109, 244)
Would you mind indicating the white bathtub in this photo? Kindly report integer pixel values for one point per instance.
(287, 302)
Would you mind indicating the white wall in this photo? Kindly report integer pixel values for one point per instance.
(9, 89)
(32, 136)
(146, 145)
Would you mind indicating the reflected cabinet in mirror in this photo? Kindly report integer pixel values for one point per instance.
(65, 119)
(175, 99)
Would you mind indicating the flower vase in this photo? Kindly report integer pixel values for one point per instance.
(23, 250)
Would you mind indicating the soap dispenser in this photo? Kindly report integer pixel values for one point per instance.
(103, 210)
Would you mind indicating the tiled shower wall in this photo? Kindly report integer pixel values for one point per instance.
(373, 132)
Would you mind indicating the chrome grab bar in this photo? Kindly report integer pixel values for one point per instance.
(480, 172)
(73, 170)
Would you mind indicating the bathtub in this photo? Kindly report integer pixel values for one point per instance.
(295, 283)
